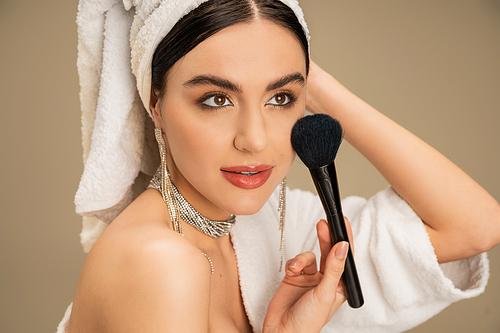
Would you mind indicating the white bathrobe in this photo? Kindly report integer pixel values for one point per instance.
(403, 284)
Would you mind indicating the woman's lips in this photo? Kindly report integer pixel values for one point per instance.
(247, 177)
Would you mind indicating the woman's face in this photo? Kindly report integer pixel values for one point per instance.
(227, 115)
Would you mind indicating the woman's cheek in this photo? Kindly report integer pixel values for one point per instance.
(200, 147)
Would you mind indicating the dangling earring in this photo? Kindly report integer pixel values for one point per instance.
(282, 210)
(167, 188)
(168, 191)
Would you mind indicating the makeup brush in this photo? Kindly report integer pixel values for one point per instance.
(316, 140)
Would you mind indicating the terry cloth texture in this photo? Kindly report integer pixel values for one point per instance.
(116, 42)
(402, 282)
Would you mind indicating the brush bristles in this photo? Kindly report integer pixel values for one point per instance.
(316, 140)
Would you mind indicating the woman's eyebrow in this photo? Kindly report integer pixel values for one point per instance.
(295, 78)
(211, 80)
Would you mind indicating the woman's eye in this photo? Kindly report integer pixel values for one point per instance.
(279, 99)
(217, 101)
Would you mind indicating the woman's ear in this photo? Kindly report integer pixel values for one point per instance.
(154, 107)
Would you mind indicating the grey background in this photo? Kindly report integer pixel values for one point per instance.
(433, 66)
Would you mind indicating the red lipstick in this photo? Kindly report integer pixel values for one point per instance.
(246, 176)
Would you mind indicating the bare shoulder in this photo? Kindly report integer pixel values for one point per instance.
(142, 276)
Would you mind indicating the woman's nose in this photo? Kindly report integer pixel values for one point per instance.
(251, 135)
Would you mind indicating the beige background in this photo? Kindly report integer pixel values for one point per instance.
(433, 66)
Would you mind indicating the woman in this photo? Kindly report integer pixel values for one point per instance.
(224, 104)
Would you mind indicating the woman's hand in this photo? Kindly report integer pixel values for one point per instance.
(307, 298)
(320, 86)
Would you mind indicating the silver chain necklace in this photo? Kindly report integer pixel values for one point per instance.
(189, 214)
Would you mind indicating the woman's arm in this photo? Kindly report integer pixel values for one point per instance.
(462, 219)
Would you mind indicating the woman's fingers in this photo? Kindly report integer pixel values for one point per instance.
(334, 267)
(306, 298)
(325, 240)
(303, 263)
(349, 232)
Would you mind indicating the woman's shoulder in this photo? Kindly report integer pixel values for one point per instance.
(141, 234)
(138, 244)
(141, 269)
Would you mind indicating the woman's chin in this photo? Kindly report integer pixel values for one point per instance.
(248, 205)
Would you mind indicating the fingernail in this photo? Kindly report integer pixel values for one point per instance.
(341, 250)
(294, 264)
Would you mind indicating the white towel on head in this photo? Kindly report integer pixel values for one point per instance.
(116, 42)
(113, 119)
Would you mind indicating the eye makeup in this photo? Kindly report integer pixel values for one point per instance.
(211, 100)
(290, 100)
(218, 100)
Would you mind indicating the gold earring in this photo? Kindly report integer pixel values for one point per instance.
(282, 210)
(167, 189)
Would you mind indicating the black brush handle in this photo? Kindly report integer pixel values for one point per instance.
(325, 180)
